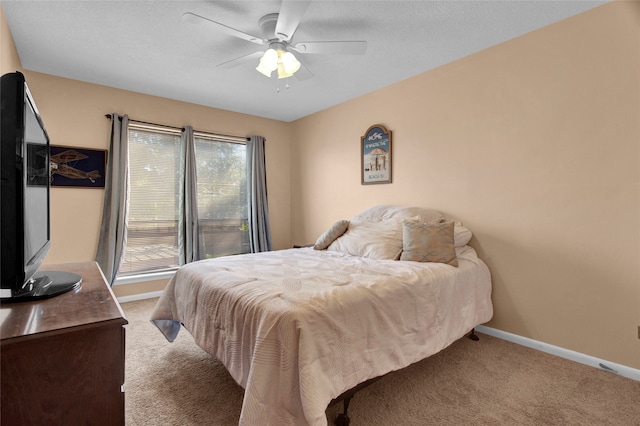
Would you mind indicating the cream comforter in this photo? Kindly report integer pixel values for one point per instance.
(296, 328)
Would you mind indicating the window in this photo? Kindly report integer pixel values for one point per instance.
(155, 171)
(221, 168)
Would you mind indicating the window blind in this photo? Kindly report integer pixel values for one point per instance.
(222, 196)
(152, 234)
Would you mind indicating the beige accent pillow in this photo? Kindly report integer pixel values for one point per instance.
(330, 235)
(428, 242)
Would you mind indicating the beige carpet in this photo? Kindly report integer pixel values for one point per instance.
(489, 382)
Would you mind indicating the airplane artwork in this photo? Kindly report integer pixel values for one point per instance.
(59, 166)
(64, 163)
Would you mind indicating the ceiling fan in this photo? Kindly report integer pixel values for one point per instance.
(277, 31)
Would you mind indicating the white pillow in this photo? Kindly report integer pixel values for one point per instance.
(461, 235)
(331, 234)
(387, 211)
(372, 237)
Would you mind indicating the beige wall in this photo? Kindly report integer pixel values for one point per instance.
(535, 145)
(74, 115)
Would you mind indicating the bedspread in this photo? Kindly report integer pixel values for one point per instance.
(296, 328)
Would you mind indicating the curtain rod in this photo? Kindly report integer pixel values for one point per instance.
(196, 132)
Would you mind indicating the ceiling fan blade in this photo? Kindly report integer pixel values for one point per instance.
(291, 12)
(242, 60)
(332, 47)
(201, 20)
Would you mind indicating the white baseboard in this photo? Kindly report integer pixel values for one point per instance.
(621, 370)
(142, 296)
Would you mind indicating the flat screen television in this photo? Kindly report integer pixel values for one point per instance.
(24, 194)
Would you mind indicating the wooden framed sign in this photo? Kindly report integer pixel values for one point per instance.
(375, 154)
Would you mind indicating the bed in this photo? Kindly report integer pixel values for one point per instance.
(297, 328)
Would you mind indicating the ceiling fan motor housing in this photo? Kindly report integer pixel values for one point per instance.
(268, 27)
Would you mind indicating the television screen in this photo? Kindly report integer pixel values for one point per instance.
(36, 193)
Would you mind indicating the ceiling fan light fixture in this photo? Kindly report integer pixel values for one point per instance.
(278, 59)
(282, 72)
(268, 62)
(289, 62)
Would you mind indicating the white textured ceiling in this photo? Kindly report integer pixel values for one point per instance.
(145, 46)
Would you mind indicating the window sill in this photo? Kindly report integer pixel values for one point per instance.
(141, 278)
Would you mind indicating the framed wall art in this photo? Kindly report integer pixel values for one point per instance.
(375, 155)
(78, 167)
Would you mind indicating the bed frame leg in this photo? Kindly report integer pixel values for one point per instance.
(343, 419)
(473, 336)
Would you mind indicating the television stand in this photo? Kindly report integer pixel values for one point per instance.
(63, 357)
(45, 284)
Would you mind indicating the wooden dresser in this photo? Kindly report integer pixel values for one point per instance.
(63, 358)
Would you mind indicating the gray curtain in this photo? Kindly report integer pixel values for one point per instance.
(113, 229)
(188, 244)
(259, 230)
